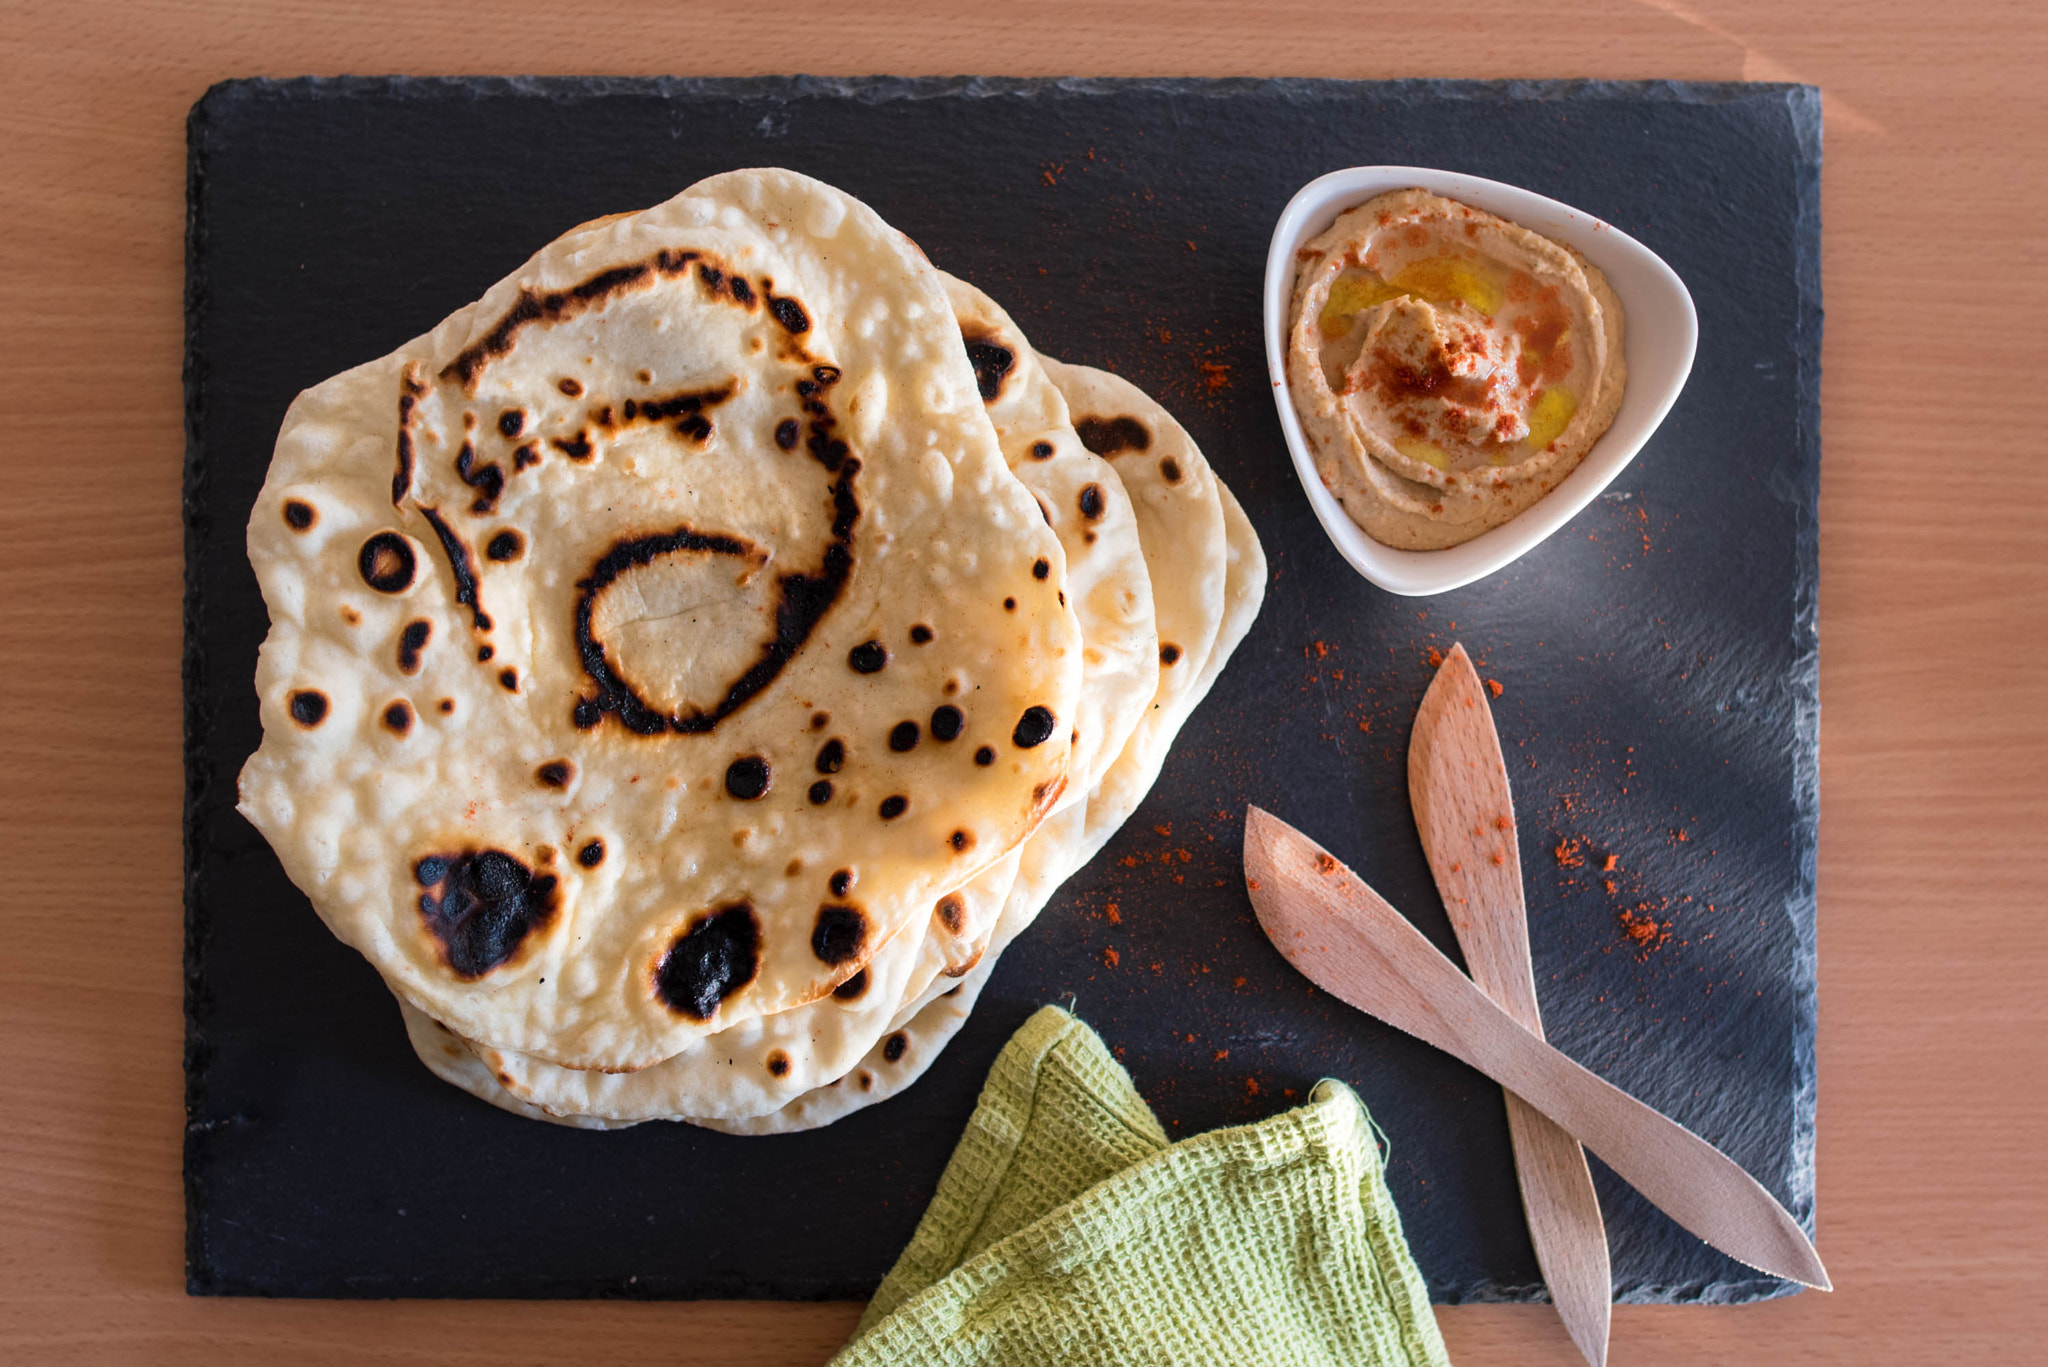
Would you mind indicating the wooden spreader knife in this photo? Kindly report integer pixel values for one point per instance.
(1465, 813)
(1347, 940)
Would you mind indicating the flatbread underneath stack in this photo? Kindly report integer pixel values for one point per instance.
(761, 1064)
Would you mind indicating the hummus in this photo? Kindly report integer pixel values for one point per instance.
(1449, 367)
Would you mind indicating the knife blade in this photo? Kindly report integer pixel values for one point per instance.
(1347, 940)
(1465, 813)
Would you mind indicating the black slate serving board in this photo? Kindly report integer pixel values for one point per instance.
(1657, 662)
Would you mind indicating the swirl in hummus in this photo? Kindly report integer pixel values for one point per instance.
(1449, 367)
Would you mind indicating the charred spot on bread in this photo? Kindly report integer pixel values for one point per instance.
(480, 905)
(715, 956)
(308, 707)
(839, 934)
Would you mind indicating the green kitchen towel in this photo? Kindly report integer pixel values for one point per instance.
(1068, 1229)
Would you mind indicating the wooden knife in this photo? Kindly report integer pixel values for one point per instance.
(1465, 813)
(1352, 944)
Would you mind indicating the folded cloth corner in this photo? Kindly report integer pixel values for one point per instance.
(1068, 1228)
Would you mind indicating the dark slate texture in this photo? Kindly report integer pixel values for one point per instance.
(1657, 659)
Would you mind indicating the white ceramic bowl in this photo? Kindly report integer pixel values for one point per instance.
(1660, 335)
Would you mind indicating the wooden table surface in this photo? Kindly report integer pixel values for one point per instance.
(1934, 625)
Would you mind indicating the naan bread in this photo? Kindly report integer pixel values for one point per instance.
(1065, 842)
(760, 1064)
(615, 617)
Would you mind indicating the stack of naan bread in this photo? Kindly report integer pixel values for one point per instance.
(694, 662)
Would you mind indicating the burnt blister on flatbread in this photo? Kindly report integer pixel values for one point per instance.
(1113, 436)
(480, 905)
(747, 777)
(992, 362)
(308, 707)
(1034, 728)
(460, 567)
(486, 478)
(387, 562)
(841, 933)
(299, 514)
(715, 957)
(787, 311)
(411, 389)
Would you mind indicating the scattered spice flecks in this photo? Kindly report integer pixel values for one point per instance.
(1610, 863)
(1434, 659)
(1251, 1087)
(1109, 956)
(1115, 917)
(1221, 1054)
(1645, 930)
(1321, 648)
(1493, 687)
(1569, 854)
(1215, 376)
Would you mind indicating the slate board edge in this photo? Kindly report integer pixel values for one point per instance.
(1796, 485)
(197, 717)
(881, 89)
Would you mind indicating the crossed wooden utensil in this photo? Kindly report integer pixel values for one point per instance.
(1349, 941)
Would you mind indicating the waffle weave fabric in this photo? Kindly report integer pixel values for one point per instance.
(1068, 1229)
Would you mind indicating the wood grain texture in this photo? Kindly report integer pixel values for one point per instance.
(1465, 813)
(1933, 1209)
